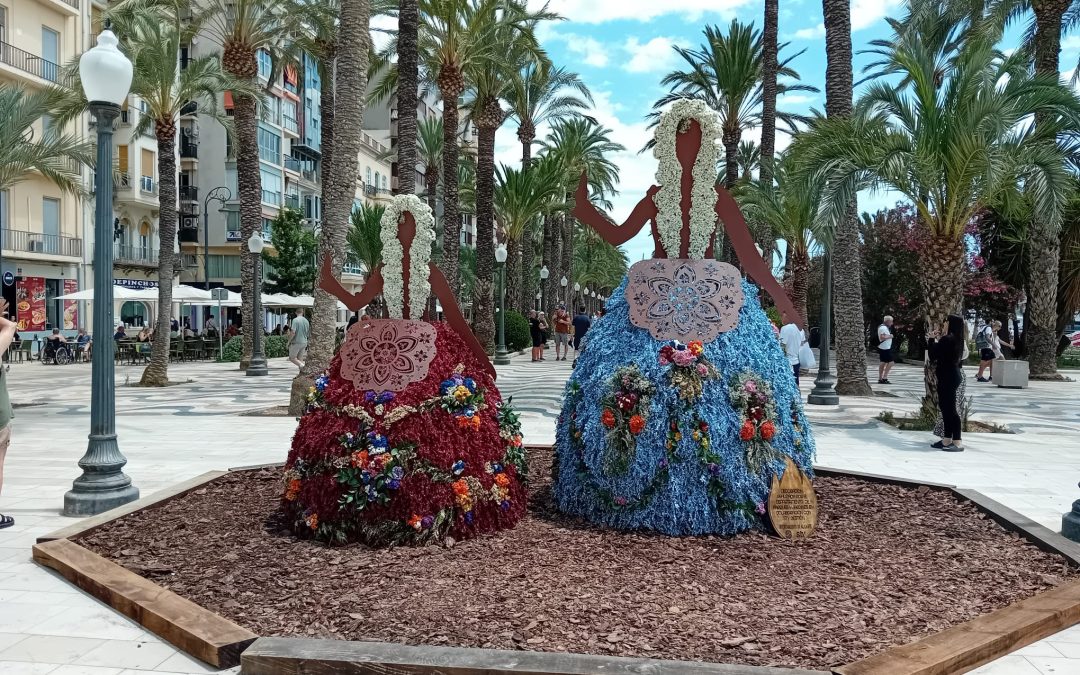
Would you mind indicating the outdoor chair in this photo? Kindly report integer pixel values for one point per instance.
(212, 351)
(23, 351)
(193, 349)
(176, 350)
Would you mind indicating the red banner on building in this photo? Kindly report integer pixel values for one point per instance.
(71, 307)
(30, 303)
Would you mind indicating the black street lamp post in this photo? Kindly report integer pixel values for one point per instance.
(257, 365)
(502, 358)
(823, 392)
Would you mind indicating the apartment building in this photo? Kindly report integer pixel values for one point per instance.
(43, 234)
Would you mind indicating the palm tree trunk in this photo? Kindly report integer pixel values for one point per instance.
(1040, 319)
(564, 229)
(847, 272)
(514, 291)
(528, 258)
(731, 157)
(769, 66)
(327, 101)
(483, 308)
(339, 187)
(451, 85)
(156, 373)
(408, 24)
(249, 192)
(800, 276)
(941, 266)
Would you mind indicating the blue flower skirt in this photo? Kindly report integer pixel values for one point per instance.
(680, 439)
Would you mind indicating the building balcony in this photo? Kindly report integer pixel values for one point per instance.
(292, 202)
(311, 175)
(189, 235)
(293, 164)
(70, 7)
(290, 125)
(21, 241)
(140, 256)
(189, 193)
(25, 63)
(189, 150)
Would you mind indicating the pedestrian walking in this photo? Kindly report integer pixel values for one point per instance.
(581, 325)
(7, 334)
(946, 349)
(563, 324)
(298, 339)
(988, 342)
(792, 339)
(885, 353)
(544, 327)
(534, 333)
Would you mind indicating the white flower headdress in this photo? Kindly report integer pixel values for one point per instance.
(669, 177)
(419, 257)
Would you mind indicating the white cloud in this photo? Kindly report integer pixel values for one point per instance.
(811, 33)
(865, 13)
(600, 11)
(654, 56)
(797, 99)
(1070, 43)
(592, 51)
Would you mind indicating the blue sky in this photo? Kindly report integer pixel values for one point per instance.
(622, 48)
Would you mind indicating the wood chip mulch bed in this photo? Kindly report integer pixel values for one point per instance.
(887, 565)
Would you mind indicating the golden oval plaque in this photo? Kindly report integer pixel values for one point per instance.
(793, 509)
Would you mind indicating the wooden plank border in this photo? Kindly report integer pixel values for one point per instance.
(87, 525)
(218, 641)
(292, 656)
(188, 626)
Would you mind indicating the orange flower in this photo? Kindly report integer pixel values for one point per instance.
(607, 418)
(313, 521)
(768, 430)
(696, 347)
(460, 487)
(637, 424)
(293, 489)
(414, 522)
(360, 458)
(747, 431)
(502, 480)
(476, 422)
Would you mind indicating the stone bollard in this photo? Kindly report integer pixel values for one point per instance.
(1070, 522)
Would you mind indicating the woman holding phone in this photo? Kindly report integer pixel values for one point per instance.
(946, 351)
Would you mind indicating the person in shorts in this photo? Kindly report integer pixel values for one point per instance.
(884, 350)
(562, 332)
(298, 339)
(7, 334)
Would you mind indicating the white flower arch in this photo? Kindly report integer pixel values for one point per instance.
(669, 177)
(419, 257)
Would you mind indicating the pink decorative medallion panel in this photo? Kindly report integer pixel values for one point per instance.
(684, 299)
(387, 354)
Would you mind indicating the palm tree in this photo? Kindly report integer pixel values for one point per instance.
(453, 35)
(491, 80)
(844, 253)
(789, 211)
(579, 145)
(725, 72)
(363, 239)
(597, 264)
(350, 81)
(521, 197)
(539, 95)
(770, 51)
(408, 75)
(429, 149)
(952, 140)
(56, 155)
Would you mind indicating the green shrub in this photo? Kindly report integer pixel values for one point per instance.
(517, 331)
(774, 315)
(274, 346)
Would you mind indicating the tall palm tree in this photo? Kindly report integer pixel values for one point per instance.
(539, 95)
(408, 76)
(790, 212)
(491, 80)
(55, 154)
(844, 254)
(429, 150)
(580, 145)
(725, 72)
(597, 264)
(363, 239)
(952, 140)
(350, 81)
(770, 51)
(453, 35)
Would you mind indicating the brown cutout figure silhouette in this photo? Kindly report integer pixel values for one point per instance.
(687, 146)
(374, 285)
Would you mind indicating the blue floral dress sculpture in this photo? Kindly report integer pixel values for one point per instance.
(683, 406)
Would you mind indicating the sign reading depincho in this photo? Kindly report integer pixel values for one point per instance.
(793, 508)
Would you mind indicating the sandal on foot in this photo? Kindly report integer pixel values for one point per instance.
(6, 521)
(938, 446)
(953, 448)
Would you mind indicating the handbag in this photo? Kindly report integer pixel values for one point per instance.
(806, 357)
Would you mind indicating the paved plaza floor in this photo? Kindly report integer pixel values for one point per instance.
(175, 433)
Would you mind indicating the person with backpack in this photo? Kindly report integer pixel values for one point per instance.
(884, 348)
(989, 344)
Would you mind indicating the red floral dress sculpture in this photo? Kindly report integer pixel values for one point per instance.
(406, 438)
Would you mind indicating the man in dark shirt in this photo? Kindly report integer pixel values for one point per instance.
(581, 326)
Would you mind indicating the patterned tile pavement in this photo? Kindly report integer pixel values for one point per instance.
(48, 626)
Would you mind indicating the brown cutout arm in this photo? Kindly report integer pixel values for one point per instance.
(354, 301)
(608, 231)
(441, 289)
(743, 243)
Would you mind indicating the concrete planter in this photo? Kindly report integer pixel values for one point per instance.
(1011, 374)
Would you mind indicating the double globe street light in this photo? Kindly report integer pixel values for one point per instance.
(106, 78)
(502, 358)
(257, 365)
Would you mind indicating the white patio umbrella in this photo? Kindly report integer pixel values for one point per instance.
(119, 293)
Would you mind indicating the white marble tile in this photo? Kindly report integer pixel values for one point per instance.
(140, 654)
(74, 669)
(49, 649)
(1054, 666)
(183, 663)
(24, 668)
(97, 621)
(20, 616)
(1013, 664)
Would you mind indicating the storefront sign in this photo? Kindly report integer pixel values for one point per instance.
(9, 278)
(71, 307)
(136, 283)
(30, 303)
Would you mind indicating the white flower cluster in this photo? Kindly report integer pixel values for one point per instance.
(669, 176)
(419, 257)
